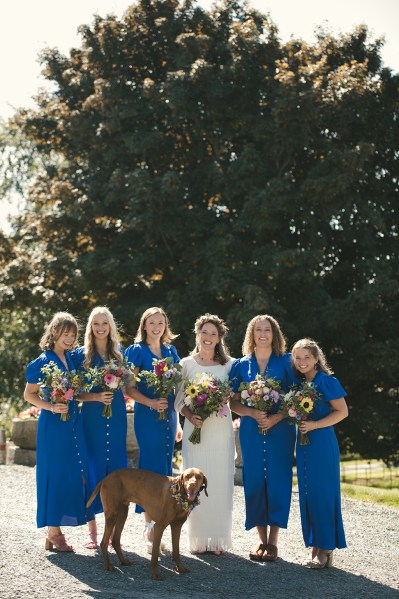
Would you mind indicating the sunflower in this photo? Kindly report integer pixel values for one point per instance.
(192, 391)
(307, 404)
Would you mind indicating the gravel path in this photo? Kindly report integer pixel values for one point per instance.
(368, 569)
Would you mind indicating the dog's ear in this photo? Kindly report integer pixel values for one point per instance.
(204, 485)
(180, 484)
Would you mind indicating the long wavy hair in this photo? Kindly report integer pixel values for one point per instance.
(141, 335)
(222, 354)
(61, 321)
(113, 339)
(312, 346)
(278, 344)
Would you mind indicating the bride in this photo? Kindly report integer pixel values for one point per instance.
(209, 525)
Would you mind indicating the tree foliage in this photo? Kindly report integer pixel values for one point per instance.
(189, 159)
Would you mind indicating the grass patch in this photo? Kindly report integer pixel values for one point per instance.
(380, 482)
(388, 497)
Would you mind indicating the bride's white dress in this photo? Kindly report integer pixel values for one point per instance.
(210, 523)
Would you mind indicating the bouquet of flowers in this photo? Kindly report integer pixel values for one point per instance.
(30, 413)
(64, 385)
(163, 378)
(299, 403)
(111, 377)
(262, 394)
(205, 396)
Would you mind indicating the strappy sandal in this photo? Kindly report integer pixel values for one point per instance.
(313, 565)
(57, 543)
(92, 544)
(148, 526)
(257, 554)
(271, 553)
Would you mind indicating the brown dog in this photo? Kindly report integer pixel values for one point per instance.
(166, 500)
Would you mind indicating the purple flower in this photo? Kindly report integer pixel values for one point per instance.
(201, 399)
(275, 396)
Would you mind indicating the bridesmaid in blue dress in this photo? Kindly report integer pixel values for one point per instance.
(318, 462)
(267, 459)
(155, 437)
(61, 470)
(105, 436)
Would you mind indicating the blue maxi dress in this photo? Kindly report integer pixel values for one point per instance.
(155, 438)
(319, 474)
(105, 436)
(62, 478)
(267, 459)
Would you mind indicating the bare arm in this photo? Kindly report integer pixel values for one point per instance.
(104, 397)
(160, 404)
(31, 395)
(242, 410)
(340, 411)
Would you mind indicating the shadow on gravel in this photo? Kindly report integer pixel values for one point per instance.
(218, 577)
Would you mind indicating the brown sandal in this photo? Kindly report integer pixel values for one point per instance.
(257, 554)
(271, 553)
(57, 543)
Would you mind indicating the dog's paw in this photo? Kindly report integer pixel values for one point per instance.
(110, 568)
(125, 561)
(181, 569)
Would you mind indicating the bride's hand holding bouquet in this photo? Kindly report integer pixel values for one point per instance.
(204, 396)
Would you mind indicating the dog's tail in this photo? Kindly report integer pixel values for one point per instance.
(92, 496)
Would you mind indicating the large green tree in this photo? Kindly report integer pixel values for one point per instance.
(190, 159)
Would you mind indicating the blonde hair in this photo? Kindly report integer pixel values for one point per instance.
(61, 321)
(316, 352)
(113, 339)
(221, 350)
(278, 343)
(141, 335)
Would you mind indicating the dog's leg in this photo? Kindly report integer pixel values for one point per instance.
(116, 540)
(158, 532)
(176, 530)
(110, 520)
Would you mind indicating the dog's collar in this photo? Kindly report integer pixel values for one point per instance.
(187, 505)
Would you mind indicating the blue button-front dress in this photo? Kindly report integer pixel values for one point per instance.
(105, 436)
(155, 438)
(267, 459)
(62, 477)
(319, 474)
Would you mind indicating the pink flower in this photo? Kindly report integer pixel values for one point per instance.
(223, 410)
(111, 381)
(68, 394)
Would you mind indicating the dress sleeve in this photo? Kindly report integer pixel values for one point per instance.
(234, 375)
(77, 358)
(289, 370)
(34, 374)
(134, 355)
(174, 354)
(179, 401)
(331, 388)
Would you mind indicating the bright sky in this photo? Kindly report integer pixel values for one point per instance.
(28, 26)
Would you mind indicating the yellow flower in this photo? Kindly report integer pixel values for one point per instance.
(192, 390)
(307, 404)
